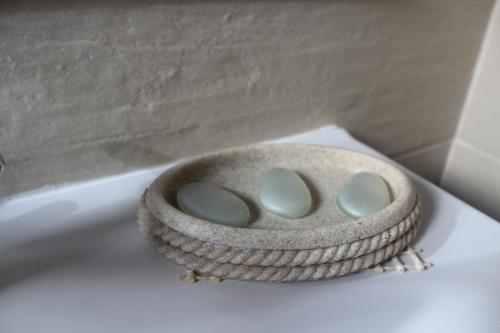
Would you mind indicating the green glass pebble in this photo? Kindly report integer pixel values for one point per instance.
(363, 194)
(214, 204)
(284, 193)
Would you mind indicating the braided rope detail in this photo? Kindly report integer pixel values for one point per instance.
(206, 266)
(152, 228)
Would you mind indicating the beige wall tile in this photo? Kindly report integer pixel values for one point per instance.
(480, 125)
(428, 162)
(473, 166)
(472, 175)
(88, 88)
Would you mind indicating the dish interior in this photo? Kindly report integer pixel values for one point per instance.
(323, 170)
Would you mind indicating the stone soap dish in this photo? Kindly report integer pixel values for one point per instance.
(323, 244)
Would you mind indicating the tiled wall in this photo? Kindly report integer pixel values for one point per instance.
(473, 168)
(90, 88)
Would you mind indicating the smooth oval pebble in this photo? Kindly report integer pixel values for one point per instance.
(363, 194)
(284, 193)
(214, 204)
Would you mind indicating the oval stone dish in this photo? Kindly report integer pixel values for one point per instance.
(324, 244)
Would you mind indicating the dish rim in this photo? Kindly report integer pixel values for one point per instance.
(274, 239)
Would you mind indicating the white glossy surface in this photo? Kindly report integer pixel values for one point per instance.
(72, 260)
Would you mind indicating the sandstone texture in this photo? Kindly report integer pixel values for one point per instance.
(92, 88)
(323, 244)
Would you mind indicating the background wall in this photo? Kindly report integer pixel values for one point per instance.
(99, 87)
(473, 167)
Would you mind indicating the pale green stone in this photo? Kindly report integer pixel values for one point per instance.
(363, 194)
(284, 193)
(214, 204)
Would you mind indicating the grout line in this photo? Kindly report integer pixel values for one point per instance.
(478, 68)
(447, 162)
(466, 107)
(476, 150)
(472, 149)
(423, 149)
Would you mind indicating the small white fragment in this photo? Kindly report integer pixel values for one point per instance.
(398, 265)
(418, 262)
(190, 277)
